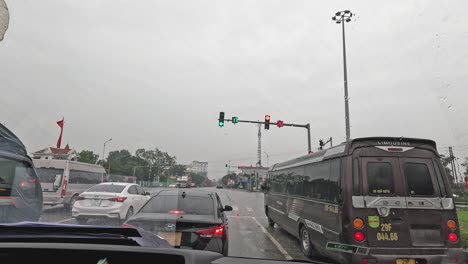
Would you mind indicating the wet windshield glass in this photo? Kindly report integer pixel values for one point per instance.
(298, 130)
(47, 175)
(167, 204)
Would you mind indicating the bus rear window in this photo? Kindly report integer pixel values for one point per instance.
(380, 178)
(418, 179)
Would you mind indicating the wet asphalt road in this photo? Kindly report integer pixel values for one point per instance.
(249, 234)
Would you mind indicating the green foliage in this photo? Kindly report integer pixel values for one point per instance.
(162, 164)
(465, 164)
(446, 162)
(463, 222)
(87, 156)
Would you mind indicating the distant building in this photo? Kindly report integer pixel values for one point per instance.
(56, 153)
(198, 167)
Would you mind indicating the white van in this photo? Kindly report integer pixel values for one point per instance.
(63, 180)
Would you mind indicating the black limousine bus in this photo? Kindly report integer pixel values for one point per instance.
(368, 200)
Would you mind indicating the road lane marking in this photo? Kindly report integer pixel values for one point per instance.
(249, 209)
(275, 242)
(66, 220)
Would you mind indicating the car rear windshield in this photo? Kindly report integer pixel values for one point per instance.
(418, 179)
(110, 188)
(380, 178)
(197, 205)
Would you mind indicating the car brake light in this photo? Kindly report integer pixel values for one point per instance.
(23, 184)
(128, 226)
(359, 236)
(451, 224)
(452, 237)
(216, 231)
(118, 199)
(176, 212)
(358, 223)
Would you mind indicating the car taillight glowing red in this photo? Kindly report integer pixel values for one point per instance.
(216, 231)
(359, 236)
(118, 199)
(176, 212)
(452, 237)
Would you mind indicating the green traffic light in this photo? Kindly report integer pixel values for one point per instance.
(235, 120)
(221, 124)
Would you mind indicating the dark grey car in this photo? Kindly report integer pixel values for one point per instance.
(186, 219)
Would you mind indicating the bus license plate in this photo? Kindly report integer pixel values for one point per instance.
(173, 238)
(405, 261)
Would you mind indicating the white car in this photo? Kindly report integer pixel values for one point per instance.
(110, 200)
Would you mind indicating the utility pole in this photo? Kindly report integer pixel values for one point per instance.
(340, 18)
(259, 148)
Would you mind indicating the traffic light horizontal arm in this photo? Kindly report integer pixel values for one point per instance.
(271, 123)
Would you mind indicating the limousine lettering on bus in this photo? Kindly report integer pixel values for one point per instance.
(393, 143)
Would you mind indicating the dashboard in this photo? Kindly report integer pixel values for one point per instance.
(65, 253)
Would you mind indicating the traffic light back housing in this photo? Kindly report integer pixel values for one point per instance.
(267, 122)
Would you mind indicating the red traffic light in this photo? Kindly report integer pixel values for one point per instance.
(279, 123)
(267, 117)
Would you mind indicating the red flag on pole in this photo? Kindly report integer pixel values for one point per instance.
(60, 124)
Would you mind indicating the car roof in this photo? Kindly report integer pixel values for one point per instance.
(117, 183)
(188, 192)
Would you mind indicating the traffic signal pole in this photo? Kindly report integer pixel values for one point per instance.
(306, 126)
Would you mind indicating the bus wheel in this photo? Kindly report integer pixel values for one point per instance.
(306, 246)
(270, 222)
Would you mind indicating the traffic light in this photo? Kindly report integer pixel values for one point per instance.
(279, 123)
(267, 122)
(235, 120)
(221, 119)
(321, 144)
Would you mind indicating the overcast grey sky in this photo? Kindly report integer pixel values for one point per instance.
(157, 73)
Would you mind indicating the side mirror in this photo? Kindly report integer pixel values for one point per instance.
(57, 181)
(227, 208)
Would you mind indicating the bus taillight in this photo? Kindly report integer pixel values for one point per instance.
(359, 236)
(451, 224)
(452, 237)
(358, 223)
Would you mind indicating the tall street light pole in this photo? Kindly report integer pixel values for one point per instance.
(341, 18)
(268, 158)
(104, 150)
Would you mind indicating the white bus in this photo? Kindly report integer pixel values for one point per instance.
(63, 180)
